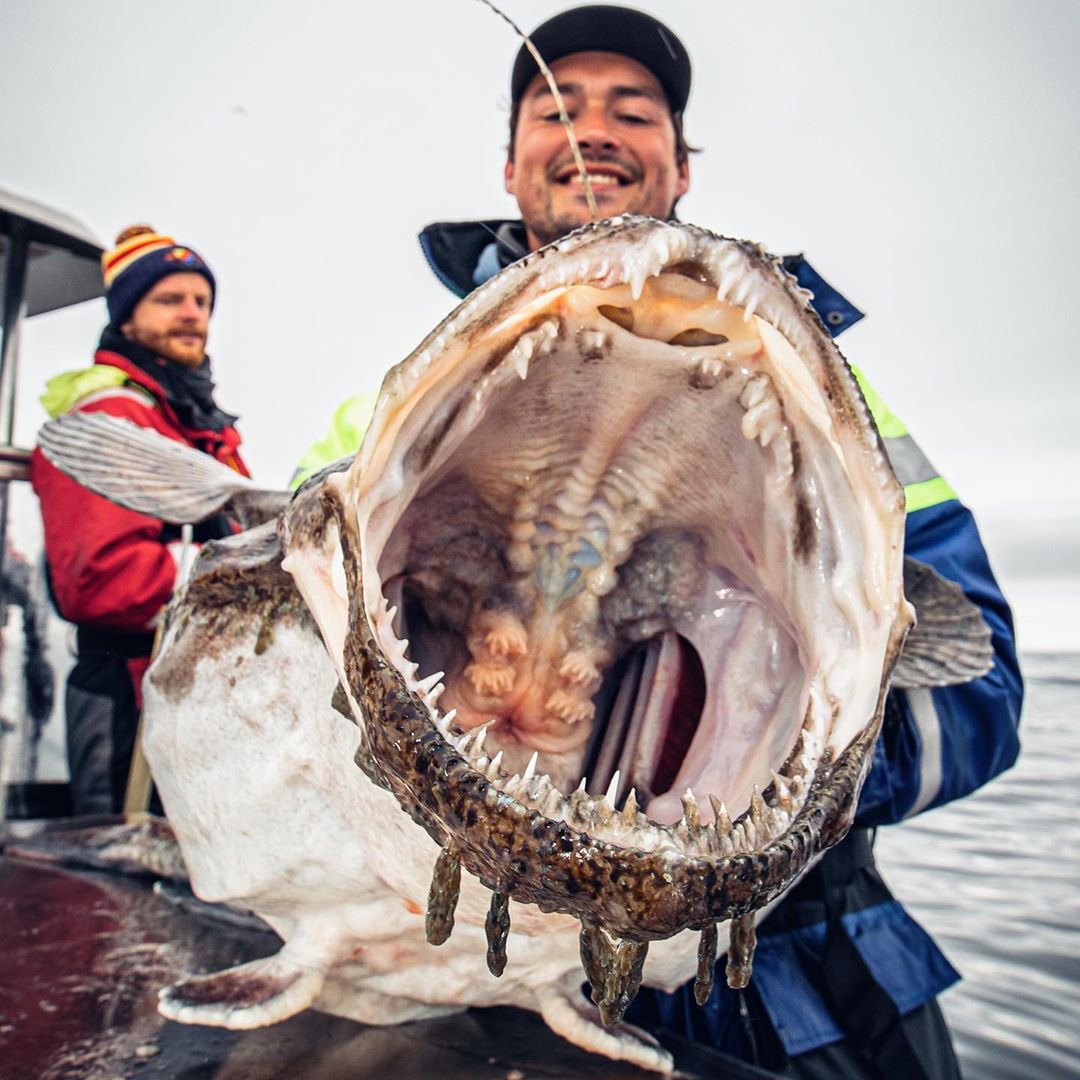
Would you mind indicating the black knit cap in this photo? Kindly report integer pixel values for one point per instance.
(607, 28)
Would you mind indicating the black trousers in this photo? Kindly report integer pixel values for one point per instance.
(924, 1029)
(101, 720)
(881, 1044)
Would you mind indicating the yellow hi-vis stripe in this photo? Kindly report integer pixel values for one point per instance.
(924, 492)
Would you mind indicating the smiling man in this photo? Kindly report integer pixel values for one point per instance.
(625, 80)
(845, 981)
(629, 140)
(111, 570)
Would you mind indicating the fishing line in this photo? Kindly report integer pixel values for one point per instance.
(563, 115)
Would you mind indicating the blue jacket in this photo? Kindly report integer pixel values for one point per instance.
(936, 745)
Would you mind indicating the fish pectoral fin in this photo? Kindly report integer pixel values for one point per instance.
(568, 1014)
(950, 642)
(139, 469)
(251, 995)
(139, 844)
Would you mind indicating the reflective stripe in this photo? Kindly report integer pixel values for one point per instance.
(928, 493)
(924, 712)
(909, 463)
(63, 392)
(923, 486)
(143, 397)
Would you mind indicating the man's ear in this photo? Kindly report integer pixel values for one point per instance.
(128, 331)
(683, 184)
(508, 176)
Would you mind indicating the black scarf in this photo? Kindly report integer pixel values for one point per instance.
(190, 391)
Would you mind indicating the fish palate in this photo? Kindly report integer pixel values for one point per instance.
(611, 595)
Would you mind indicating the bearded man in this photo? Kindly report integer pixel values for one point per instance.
(111, 570)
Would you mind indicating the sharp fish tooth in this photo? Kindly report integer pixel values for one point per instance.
(520, 355)
(481, 735)
(759, 815)
(530, 769)
(783, 792)
(613, 788)
(493, 767)
(425, 686)
(690, 810)
(629, 811)
(723, 818)
(554, 803)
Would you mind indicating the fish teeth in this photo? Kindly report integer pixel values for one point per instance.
(691, 813)
(630, 809)
(759, 814)
(783, 792)
(723, 820)
(520, 355)
(593, 340)
(612, 793)
(481, 735)
(493, 766)
(728, 280)
(530, 769)
(538, 789)
(554, 804)
(580, 802)
(425, 686)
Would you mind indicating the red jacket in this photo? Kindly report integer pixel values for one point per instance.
(111, 568)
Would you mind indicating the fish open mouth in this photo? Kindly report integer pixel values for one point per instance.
(623, 545)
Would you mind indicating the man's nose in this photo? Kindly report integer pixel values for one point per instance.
(191, 310)
(593, 130)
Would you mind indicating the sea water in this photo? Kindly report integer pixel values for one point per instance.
(995, 879)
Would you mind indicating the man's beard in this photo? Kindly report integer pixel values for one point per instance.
(553, 227)
(548, 225)
(164, 345)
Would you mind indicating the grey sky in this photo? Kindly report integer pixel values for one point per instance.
(924, 155)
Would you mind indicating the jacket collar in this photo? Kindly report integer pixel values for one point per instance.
(465, 254)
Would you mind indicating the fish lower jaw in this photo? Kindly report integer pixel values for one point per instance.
(705, 827)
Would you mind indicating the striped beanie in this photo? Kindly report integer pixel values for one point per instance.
(141, 258)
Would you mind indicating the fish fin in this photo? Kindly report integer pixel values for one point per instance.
(142, 844)
(256, 506)
(179, 895)
(578, 1022)
(950, 642)
(251, 995)
(139, 469)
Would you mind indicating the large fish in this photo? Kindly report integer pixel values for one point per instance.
(608, 604)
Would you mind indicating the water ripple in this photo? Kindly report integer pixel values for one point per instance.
(995, 880)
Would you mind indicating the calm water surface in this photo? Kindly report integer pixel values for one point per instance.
(995, 878)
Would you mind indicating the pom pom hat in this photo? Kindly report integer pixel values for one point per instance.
(141, 258)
